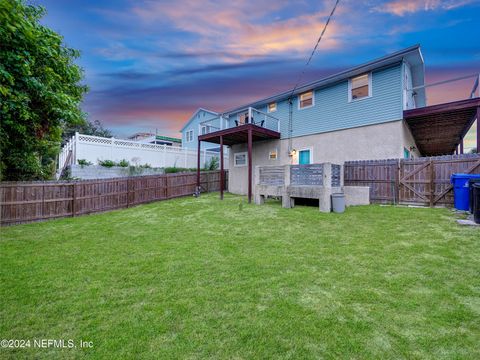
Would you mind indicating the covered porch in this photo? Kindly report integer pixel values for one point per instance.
(441, 129)
(261, 128)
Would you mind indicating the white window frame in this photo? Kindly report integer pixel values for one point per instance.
(187, 136)
(313, 100)
(271, 152)
(235, 159)
(268, 107)
(200, 129)
(369, 87)
(305, 149)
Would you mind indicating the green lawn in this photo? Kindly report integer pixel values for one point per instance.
(204, 278)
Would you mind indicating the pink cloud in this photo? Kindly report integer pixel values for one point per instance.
(236, 27)
(403, 7)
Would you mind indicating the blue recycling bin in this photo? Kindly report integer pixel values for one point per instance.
(461, 192)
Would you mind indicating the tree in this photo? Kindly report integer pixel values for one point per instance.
(40, 92)
(94, 128)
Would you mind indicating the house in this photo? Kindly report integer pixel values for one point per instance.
(140, 136)
(156, 139)
(195, 127)
(373, 111)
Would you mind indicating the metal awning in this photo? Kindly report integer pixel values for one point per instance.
(439, 129)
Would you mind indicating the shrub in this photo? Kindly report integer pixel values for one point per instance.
(84, 162)
(106, 163)
(146, 166)
(123, 163)
(212, 164)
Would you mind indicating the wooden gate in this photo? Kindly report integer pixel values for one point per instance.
(421, 181)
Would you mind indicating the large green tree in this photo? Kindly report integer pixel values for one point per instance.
(40, 92)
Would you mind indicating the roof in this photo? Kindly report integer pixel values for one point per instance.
(167, 138)
(195, 114)
(412, 54)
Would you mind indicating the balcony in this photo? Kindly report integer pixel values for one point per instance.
(440, 125)
(230, 130)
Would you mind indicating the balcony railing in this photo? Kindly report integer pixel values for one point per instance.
(445, 91)
(246, 116)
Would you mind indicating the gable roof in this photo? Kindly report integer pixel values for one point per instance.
(195, 114)
(412, 54)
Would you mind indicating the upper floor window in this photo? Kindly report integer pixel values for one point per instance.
(205, 129)
(306, 100)
(189, 136)
(272, 107)
(360, 87)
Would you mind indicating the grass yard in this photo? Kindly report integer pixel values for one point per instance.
(201, 278)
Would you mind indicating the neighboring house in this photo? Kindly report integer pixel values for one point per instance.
(156, 139)
(194, 127)
(140, 136)
(359, 114)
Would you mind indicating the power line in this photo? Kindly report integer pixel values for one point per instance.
(290, 122)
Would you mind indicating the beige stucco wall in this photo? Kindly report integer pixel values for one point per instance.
(384, 141)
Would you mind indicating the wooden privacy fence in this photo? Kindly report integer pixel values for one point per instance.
(22, 202)
(421, 181)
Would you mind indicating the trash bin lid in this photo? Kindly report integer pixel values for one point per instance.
(338, 195)
(465, 176)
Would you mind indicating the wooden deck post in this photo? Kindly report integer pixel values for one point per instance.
(221, 168)
(461, 146)
(250, 165)
(198, 165)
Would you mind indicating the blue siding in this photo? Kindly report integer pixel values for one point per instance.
(332, 110)
(194, 125)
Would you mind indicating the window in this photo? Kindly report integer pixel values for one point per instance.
(273, 155)
(272, 107)
(360, 87)
(189, 136)
(240, 159)
(306, 100)
(205, 129)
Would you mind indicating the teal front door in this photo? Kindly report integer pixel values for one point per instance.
(304, 157)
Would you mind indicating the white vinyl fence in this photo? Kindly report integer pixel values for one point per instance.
(94, 148)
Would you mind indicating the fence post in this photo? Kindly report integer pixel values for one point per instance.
(397, 181)
(185, 151)
(74, 199)
(75, 157)
(164, 155)
(112, 144)
(128, 192)
(43, 201)
(432, 183)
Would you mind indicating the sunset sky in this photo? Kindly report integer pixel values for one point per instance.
(150, 64)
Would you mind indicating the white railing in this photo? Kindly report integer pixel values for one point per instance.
(251, 116)
(95, 148)
(458, 91)
(63, 157)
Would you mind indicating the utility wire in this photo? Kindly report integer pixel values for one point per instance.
(290, 120)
